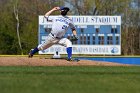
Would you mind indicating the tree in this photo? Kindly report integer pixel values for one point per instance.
(15, 9)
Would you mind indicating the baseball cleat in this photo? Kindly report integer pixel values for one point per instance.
(69, 59)
(30, 55)
(73, 59)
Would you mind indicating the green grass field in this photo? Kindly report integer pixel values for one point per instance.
(71, 79)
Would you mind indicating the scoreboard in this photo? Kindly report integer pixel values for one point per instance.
(99, 35)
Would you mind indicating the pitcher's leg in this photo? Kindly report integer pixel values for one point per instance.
(69, 52)
(39, 48)
(49, 42)
(67, 43)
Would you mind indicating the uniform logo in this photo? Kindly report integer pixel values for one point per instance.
(114, 50)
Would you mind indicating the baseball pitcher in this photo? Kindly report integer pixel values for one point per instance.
(60, 25)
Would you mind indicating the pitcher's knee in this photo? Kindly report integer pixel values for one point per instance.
(40, 47)
(68, 43)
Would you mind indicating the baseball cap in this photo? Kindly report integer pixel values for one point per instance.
(64, 8)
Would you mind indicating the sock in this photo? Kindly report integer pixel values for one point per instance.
(35, 50)
(69, 52)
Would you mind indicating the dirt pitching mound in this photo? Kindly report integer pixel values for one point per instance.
(37, 61)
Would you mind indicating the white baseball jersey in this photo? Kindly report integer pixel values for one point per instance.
(60, 25)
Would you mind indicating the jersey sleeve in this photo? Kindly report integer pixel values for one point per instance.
(49, 18)
(71, 24)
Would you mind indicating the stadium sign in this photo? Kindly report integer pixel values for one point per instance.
(99, 35)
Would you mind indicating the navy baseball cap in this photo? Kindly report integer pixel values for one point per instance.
(64, 8)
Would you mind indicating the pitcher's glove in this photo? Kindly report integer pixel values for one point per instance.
(74, 38)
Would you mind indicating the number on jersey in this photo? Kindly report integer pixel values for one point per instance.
(64, 27)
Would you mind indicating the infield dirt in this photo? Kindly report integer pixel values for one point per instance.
(37, 61)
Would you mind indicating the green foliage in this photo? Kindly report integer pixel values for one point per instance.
(7, 33)
(28, 11)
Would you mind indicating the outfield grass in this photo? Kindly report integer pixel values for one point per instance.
(72, 79)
